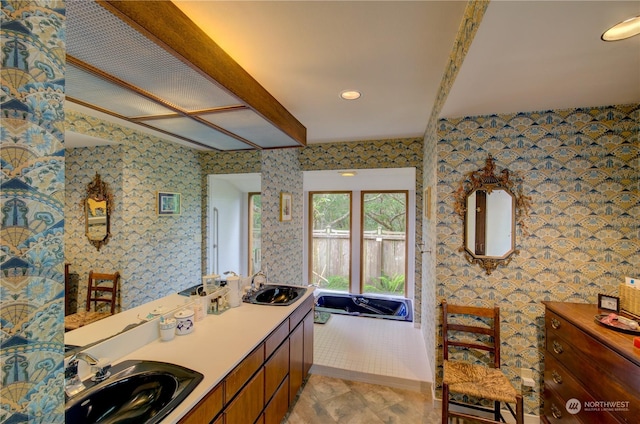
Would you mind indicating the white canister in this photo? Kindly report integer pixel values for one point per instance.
(234, 296)
(167, 329)
(184, 322)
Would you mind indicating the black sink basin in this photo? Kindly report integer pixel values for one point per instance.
(136, 392)
(276, 295)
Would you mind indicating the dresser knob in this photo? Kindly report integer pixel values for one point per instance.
(556, 412)
(557, 347)
(555, 323)
(556, 377)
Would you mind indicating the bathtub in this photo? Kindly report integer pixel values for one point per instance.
(396, 308)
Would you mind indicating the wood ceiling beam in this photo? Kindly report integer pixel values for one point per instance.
(165, 24)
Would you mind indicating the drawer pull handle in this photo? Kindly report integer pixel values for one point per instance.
(555, 323)
(556, 377)
(557, 347)
(556, 412)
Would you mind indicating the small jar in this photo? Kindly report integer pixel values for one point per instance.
(167, 329)
(184, 322)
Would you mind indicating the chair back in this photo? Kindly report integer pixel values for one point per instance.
(483, 323)
(102, 288)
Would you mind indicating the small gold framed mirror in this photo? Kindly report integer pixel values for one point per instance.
(490, 205)
(98, 206)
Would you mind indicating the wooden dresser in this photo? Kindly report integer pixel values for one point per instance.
(591, 373)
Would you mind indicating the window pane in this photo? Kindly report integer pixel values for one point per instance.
(384, 226)
(331, 240)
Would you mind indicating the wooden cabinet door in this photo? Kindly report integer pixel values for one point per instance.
(308, 344)
(206, 409)
(276, 369)
(296, 360)
(248, 405)
(241, 373)
(279, 404)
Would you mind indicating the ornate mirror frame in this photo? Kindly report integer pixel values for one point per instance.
(487, 180)
(98, 192)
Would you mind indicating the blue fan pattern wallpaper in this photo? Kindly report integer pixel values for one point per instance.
(581, 168)
(32, 197)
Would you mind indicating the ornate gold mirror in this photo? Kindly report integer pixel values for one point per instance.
(490, 205)
(97, 212)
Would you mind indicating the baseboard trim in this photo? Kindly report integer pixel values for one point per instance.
(383, 380)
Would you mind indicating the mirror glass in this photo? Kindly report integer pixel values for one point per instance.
(97, 210)
(96, 219)
(489, 229)
(490, 205)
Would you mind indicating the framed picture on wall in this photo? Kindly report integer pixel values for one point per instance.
(168, 203)
(426, 199)
(285, 207)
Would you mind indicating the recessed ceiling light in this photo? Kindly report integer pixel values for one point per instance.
(625, 29)
(350, 94)
(348, 173)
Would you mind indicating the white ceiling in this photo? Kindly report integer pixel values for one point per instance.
(527, 56)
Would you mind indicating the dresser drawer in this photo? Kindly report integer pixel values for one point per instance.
(566, 387)
(555, 410)
(601, 356)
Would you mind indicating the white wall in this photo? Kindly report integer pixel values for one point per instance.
(229, 195)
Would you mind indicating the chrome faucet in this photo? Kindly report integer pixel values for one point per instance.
(72, 383)
(253, 284)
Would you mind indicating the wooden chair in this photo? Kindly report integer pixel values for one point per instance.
(97, 291)
(480, 381)
(102, 290)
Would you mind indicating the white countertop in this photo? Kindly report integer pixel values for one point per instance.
(217, 344)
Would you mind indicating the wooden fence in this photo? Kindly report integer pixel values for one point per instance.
(383, 254)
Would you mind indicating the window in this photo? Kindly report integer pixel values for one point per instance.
(360, 230)
(379, 251)
(383, 240)
(330, 240)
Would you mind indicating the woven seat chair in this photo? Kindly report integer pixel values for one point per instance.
(101, 290)
(472, 379)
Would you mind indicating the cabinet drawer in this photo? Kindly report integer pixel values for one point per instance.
(243, 372)
(276, 369)
(602, 356)
(206, 409)
(279, 404)
(276, 338)
(565, 386)
(248, 405)
(584, 358)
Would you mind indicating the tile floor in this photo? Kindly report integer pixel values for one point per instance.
(328, 400)
(372, 350)
(369, 371)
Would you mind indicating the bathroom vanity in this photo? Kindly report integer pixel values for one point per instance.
(254, 359)
(265, 383)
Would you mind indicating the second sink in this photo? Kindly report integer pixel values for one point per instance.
(276, 295)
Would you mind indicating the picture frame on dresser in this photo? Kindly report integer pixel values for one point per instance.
(609, 303)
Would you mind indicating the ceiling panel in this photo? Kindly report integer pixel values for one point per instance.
(250, 126)
(98, 92)
(198, 132)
